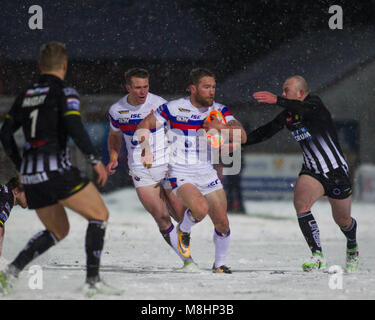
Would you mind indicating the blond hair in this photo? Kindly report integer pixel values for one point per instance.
(52, 56)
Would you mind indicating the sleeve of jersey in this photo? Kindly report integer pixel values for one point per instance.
(113, 122)
(266, 131)
(11, 125)
(304, 108)
(4, 215)
(228, 116)
(74, 125)
(162, 114)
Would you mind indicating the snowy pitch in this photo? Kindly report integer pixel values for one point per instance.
(266, 253)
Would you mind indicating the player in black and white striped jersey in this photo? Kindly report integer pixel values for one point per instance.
(324, 171)
(49, 113)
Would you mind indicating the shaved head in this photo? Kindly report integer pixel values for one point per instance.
(299, 82)
(295, 87)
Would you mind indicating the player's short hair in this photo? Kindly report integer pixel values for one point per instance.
(52, 56)
(137, 73)
(198, 73)
(14, 183)
(300, 82)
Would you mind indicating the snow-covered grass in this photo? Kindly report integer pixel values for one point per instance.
(265, 254)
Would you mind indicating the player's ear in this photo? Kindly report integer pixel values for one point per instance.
(192, 89)
(127, 87)
(300, 93)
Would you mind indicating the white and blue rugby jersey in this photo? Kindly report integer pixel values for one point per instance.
(189, 154)
(125, 117)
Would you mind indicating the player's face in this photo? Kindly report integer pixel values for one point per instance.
(138, 90)
(291, 90)
(205, 91)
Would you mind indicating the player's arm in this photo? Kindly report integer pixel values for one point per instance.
(10, 126)
(306, 109)
(143, 135)
(266, 131)
(114, 146)
(76, 130)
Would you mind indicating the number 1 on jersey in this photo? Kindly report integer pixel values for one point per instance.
(33, 116)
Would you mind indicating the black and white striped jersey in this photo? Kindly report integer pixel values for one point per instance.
(311, 125)
(48, 112)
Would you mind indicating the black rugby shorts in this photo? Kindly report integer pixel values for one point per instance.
(60, 185)
(336, 185)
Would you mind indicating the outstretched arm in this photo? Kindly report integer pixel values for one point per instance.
(303, 108)
(266, 131)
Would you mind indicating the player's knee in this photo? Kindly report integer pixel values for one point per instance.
(302, 206)
(222, 226)
(61, 232)
(343, 222)
(200, 209)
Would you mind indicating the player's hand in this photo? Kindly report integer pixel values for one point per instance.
(102, 174)
(215, 123)
(111, 167)
(147, 158)
(265, 97)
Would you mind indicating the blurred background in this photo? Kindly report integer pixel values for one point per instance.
(250, 45)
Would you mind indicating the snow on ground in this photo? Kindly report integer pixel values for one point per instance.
(265, 254)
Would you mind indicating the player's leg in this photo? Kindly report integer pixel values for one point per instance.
(56, 222)
(175, 206)
(341, 212)
(88, 203)
(197, 209)
(218, 213)
(154, 201)
(307, 191)
(57, 227)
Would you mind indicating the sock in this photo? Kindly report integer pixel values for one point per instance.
(37, 245)
(310, 231)
(94, 246)
(188, 221)
(351, 235)
(170, 236)
(221, 242)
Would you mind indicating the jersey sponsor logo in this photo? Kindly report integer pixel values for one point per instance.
(196, 117)
(213, 183)
(72, 104)
(183, 110)
(302, 134)
(136, 116)
(70, 92)
(123, 111)
(123, 120)
(182, 119)
(34, 178)
(33, 101)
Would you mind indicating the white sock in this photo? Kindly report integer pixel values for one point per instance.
(221, 242)
(187, 222)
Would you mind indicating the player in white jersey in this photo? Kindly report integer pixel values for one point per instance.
(191, 172)
(152, 186)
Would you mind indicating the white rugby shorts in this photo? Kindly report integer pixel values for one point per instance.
(149, 177)
(206, 183)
